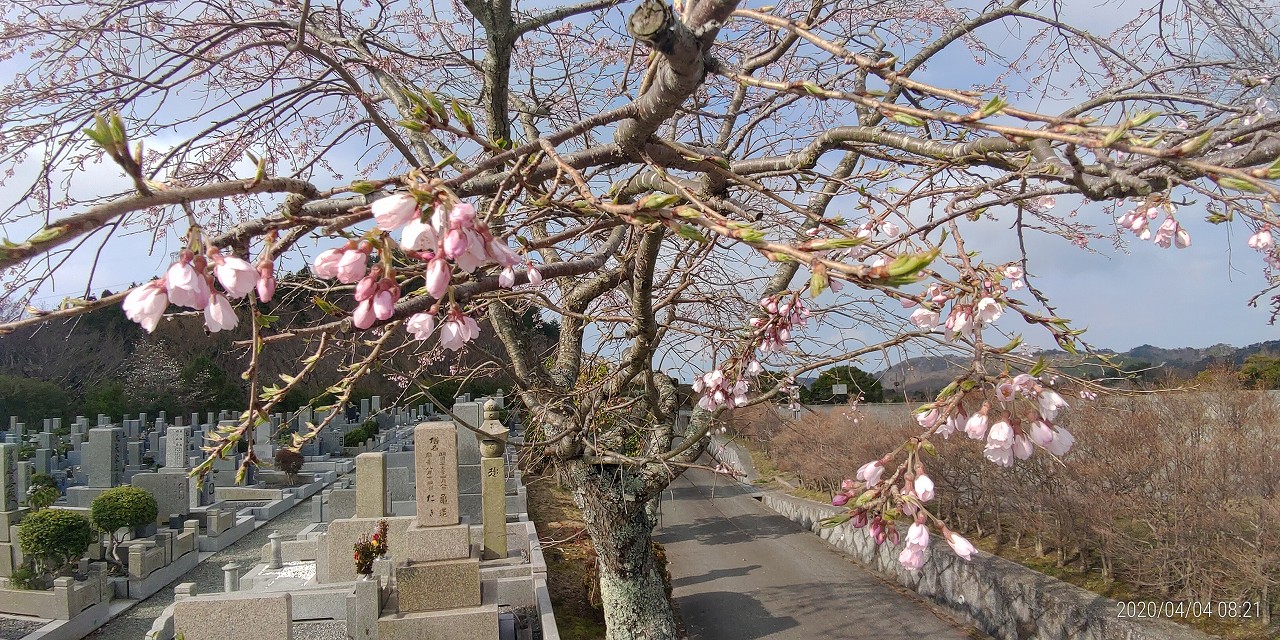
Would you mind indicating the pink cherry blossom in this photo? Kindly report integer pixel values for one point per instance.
(918, 535)
(925, 319)
(384, 304)
(1022, 448)
(949, 426)
(363, 316)
(960, 322)
(889, 229)
(458, 330)
(923, 486)
(1062, 441)
(421, 325)
(418, 236)
(146, 304)
(1046, 202)
(1013, 272)
(367, 286)
(1002, 456)
(352, 266)
(187, 286)
(976, 426)
(1001, 434)
(218, 314)
(237, 276)
(959, 544)
(1262, 240)
(266, 281)
(1165, 234)
(462, 215)
(326, 264)
(911, 558)
(395, 211)
(989, 310)
(438, 273)
(870, 473)
(1041, 434)
(501, 254)
(927, 419)
(455, 243)
(535, 276)
(507, 278)
(1050, 403)
(839, 500)
(1005, 391)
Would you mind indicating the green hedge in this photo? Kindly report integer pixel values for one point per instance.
(54, 537)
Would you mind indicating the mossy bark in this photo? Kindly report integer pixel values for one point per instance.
(621, 527)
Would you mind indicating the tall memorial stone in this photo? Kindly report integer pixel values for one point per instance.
(177, 447)
(105, 456)
(9, 508)
(436, 468)
(8, 477)
(371, 485)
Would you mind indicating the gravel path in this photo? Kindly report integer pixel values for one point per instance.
(136, 622)
(13, 628)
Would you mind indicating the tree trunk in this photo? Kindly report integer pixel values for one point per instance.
(621, 528)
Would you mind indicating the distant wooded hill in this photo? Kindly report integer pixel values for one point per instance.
(1140, 366)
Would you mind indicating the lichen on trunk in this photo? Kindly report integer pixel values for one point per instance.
(621, 527)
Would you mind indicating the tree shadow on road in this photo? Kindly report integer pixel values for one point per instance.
(721, 615)
(729, 530)
(713, 575)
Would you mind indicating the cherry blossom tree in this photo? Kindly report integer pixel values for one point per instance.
(702, 187)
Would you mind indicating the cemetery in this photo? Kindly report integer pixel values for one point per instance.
(455, 552)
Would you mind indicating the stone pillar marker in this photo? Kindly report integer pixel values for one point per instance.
(436, 467)
(371, 485)
(277, 555)
(493, 483)
(230, 577)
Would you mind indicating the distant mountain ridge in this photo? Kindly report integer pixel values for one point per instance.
(928, 374)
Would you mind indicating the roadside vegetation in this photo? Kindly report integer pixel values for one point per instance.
(1169, 497)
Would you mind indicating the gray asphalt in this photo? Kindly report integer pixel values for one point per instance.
(743, 572)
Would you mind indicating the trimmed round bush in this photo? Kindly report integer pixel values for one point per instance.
(123, 507)
(54, 537)
(43, 480)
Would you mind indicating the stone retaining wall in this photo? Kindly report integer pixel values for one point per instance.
(1000, 597)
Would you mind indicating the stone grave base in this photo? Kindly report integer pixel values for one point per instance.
(408, 542)
(438, 584)
(477, 623)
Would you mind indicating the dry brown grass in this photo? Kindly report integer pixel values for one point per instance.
(1174, 497)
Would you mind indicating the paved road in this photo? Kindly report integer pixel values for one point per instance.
(743, 572)
(134, 623)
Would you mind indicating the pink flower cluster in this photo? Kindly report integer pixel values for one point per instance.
(967, 316)
(188, 283)
(377, 295)
(1008, 437)
(1169, 233)
(453, 234)
(1263, 242)
(718, 391)
(918, 487)
(777, 325)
